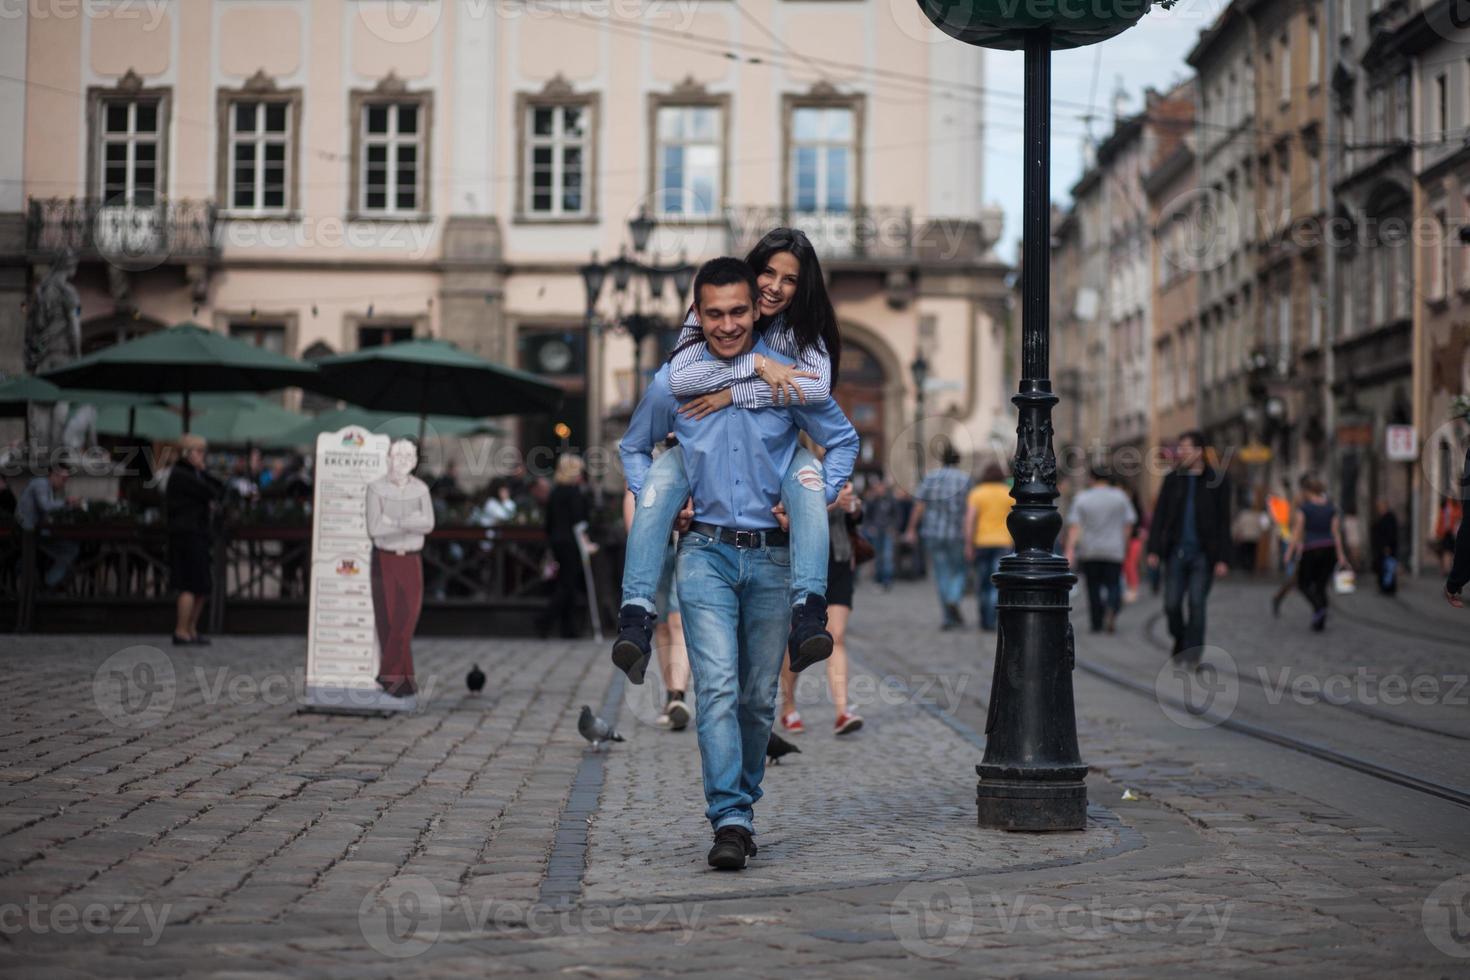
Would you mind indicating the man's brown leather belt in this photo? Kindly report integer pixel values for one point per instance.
(771, 538)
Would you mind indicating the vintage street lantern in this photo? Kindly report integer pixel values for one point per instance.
(1032, 775)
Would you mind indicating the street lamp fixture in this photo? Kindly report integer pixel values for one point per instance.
(640, 228)
(638, 325)
(920, 371)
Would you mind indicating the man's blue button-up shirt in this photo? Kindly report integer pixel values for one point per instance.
(736, 458)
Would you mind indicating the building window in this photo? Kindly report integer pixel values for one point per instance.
(391, 158)
(1401, 107)
(557, 153)
(130, 149)
(1464, 255)
(1314, 53)
(1437, 258)
(822, 160)
(379, 334)
(257, 153)
(689, 157)
(1442, 105)
(266, 334)
(391, 136)
(1285, 82)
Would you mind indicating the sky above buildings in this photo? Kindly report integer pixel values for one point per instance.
(1084, 82)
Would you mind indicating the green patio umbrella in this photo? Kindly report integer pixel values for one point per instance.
(223, 419)
(433, 377)
(17, 395)
(394, 424)
(183, 360)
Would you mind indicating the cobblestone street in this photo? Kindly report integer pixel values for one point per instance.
(166, 812)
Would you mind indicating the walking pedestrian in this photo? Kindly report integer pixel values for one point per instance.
(939, 516)
(1317, 546)
(987, 538)
(190, 497)
(882, 526)
(1384, 541)
(1447, 521)
(1190, 537)
(734, 566)
(1137, 542)
(844, 515)
(1459, 572)
(565, 509)
(1099, 526)
(1283, 519)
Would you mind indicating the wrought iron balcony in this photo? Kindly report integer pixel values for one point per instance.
(132, 236)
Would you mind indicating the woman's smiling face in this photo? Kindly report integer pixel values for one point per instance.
(777, 283)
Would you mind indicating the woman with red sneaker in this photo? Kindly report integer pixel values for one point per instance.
(844, 515)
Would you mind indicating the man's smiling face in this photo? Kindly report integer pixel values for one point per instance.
(727, 315)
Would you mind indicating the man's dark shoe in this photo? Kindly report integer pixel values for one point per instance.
(809, 642)
(953, 616)
(634, 645)
(733, 847)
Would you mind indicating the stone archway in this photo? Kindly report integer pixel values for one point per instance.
(870, 389)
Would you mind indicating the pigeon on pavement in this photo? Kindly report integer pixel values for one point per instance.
(475, 679)
(777, 747)
(594, 729)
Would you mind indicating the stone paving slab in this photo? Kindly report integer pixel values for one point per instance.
(892, 801)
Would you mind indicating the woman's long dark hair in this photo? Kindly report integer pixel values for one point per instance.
(810, 315)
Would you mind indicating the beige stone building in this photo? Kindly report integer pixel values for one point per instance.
(1175, 257)
(318, 177)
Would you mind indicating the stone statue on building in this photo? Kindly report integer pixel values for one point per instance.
(53, 339)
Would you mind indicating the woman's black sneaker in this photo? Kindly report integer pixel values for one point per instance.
(809, 643)
(733, 847)
(634, 645)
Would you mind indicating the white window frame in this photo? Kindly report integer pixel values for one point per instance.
(393, 140)
(715, 208)
(260, 137)
(853, 147)
(131, 139)
(558, 142)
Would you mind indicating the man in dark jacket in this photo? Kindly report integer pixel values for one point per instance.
(190, 494)
(1460, 571)
(1190, 535)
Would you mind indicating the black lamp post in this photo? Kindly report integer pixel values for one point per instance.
(638, 325)
(1032, 775)
(920, 369)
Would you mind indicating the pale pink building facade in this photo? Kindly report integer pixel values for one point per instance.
(320, 176)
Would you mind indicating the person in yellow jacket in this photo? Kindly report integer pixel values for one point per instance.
(986, 536)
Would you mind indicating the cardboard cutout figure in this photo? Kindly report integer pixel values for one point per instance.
(399, 514)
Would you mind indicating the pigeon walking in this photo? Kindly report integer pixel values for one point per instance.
(475, 680)
(777, 747)
(594, 729)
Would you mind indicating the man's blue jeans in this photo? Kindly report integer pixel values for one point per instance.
(987, 560)
(882, 542)
(1189, 575)
(948, 556)
(734, 604)
(665, 489)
